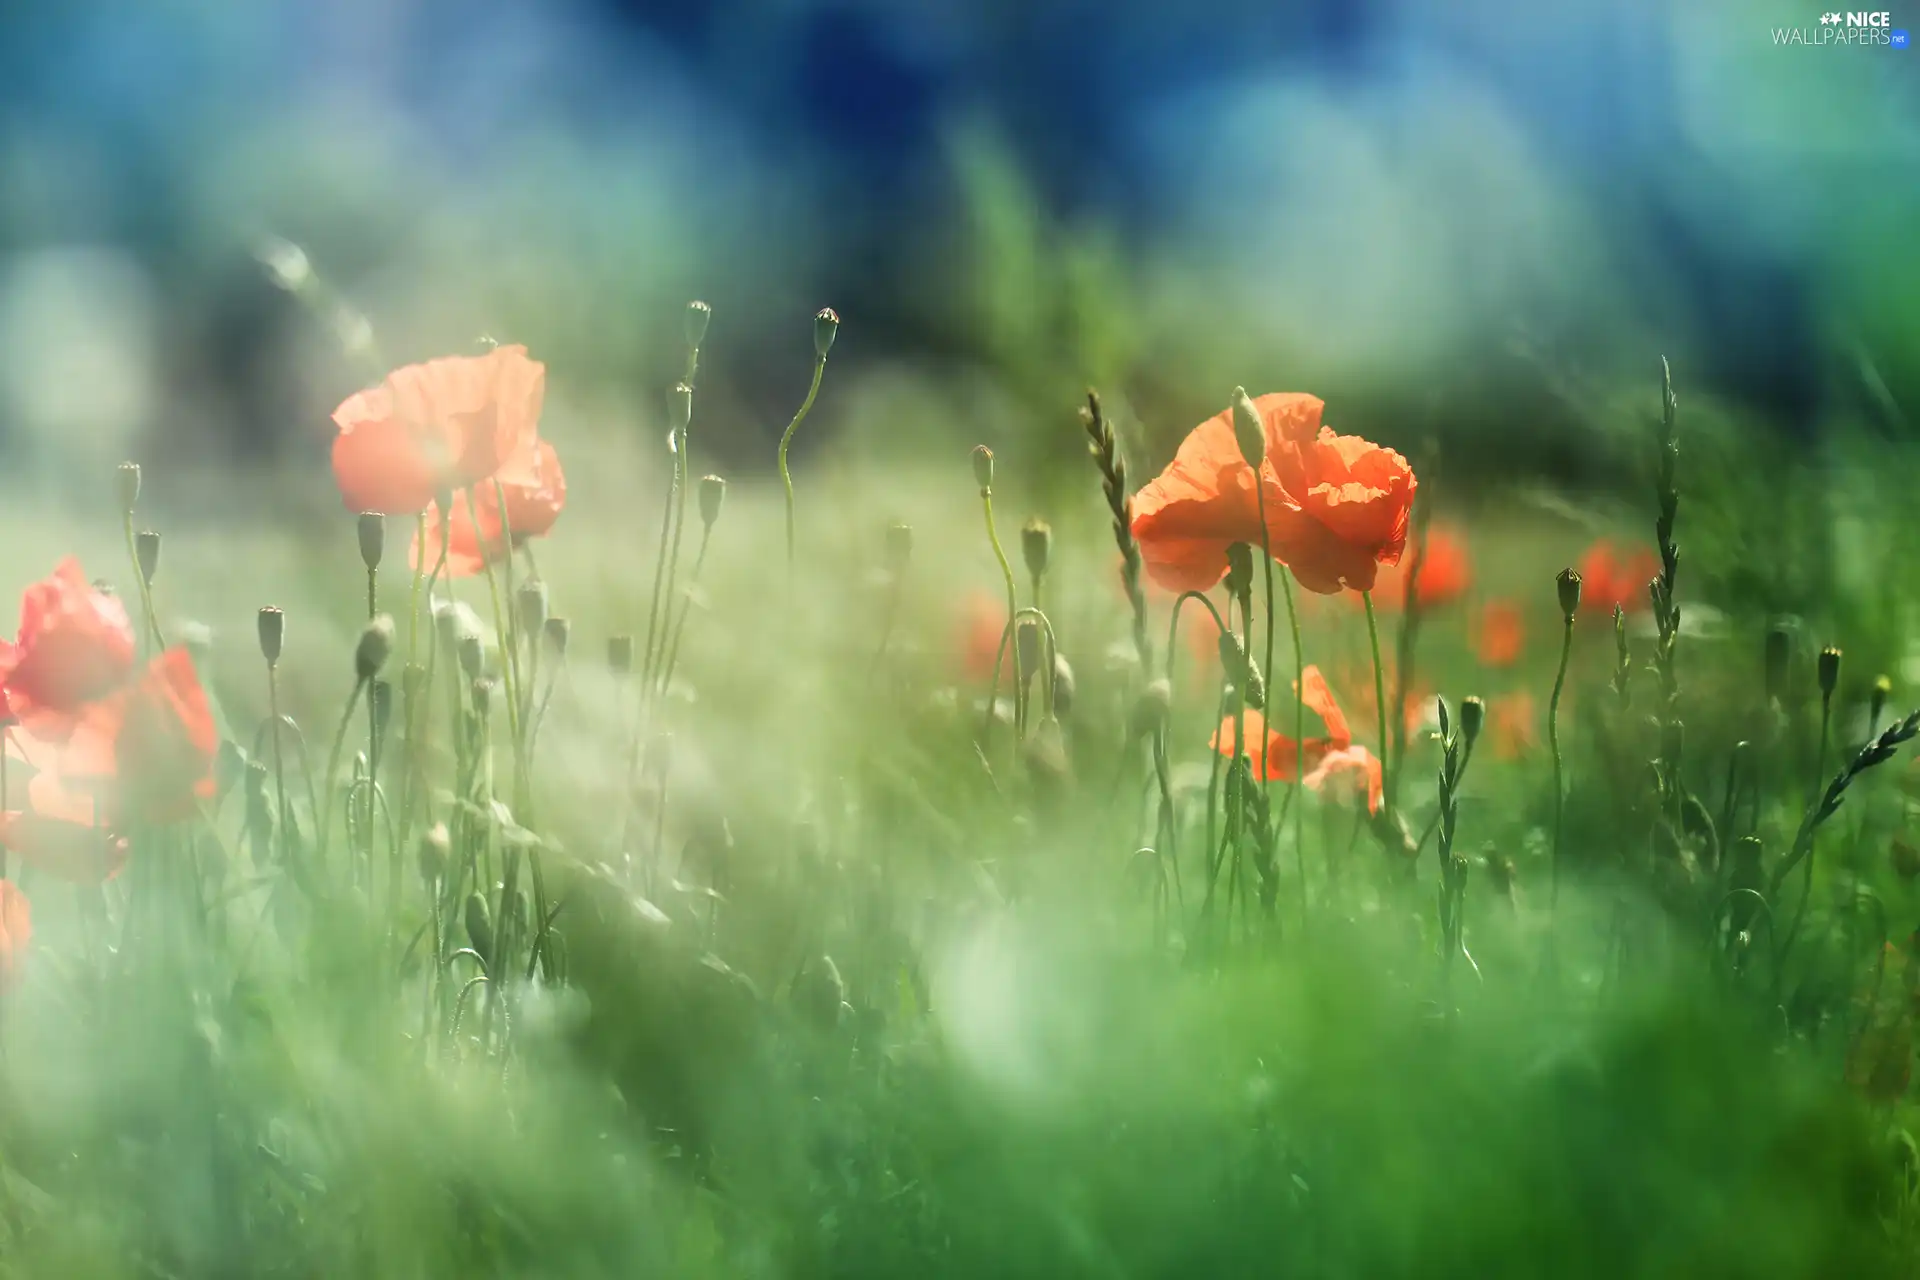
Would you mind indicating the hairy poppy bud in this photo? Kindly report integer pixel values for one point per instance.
(826, 327)
(373, 539)
(480, 695)
(1062, 685)
(436, 847)
(472, 656)
(129, 487)
(1882, 690)
(1036, 544)
(1568, 583)
(146, 547)
(1829, 670)
(558, 632)
(680, 406)
(1150, 709)
(376, 643)
(1027, 647)
(480, 927)
(530, 603)
(1248, 431)
(983, 467)
(899, 545)
(1256, 686)
(273, 632)
(1233, 657)
(713, 492)
(620, 654)
(1473, 714)
(694, 322)
(1776, 667)
(1239, 580)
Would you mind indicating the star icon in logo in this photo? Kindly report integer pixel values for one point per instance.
(1829, 19)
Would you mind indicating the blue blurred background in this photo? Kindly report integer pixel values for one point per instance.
(1482, 220)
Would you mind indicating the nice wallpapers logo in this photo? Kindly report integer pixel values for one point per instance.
(1845, 30)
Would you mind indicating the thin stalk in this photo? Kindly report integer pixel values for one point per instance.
(786, 477)
(333, 763)
(1013, 605)
(686, 607)
(1379, 693)
(1553, 742)
(146, 591)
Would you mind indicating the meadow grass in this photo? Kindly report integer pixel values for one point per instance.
(814, 950)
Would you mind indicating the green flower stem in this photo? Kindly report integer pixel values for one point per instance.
(1379, 696)
(1553, 742)
(786, 477)
(1006, 572)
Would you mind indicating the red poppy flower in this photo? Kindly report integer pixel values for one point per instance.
(534, 488)
(1510, 720)
(447, 424)
(16, 931)
(1354, 767)
(1274, 755)
(1445, 574)
(1607, 578)
(1503, 633)
(1336, 506)
(76, 644)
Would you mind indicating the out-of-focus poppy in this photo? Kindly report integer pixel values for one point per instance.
(1510, 722)
(445, 425)
(1503, 634)
(534, 489)
(1444, 575)
(981, 630)
(75, 644)
(1275, 755)
(1609, 577)
(1336, 506)
(16, 931)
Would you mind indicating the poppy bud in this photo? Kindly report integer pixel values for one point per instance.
(129, 487)
(694, 322)
(1569, 584)
(1062, 685)
(1256, 691)
(680, 406)
(1776, 668)
(273, 631)
(1036, 544)
(1829, 670)
(373, 539)
(380, 707)
(713, 492)
(376, 643)
(983, 467)
(531, 603)
(1233, 656)
(1248, 431)
(480, 927)
(1150, 709)
(436, 847)
(1882, 690)
(620, 654)
(558, 632)
(899, 545)
(472, 656)
(1239, 580)
(1473, 714)
(826, 326)
(146, 548)
(1027, 647)
(480, 696)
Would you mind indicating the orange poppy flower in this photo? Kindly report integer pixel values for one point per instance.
(1354, 767)
(16, 931)
(982, 628)
(143, 755)
(1510, 719)
(1445, 574)
(1336, 506)
(1503, 633)
(1608, 578)
(1275, 755)
(534, 489)
(75, 644)
(444, 425)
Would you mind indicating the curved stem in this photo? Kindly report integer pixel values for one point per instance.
(1013, 607)
(1553, 742)
(786, 438)
(1299, 730)
(1379, 691)
(325, 817)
